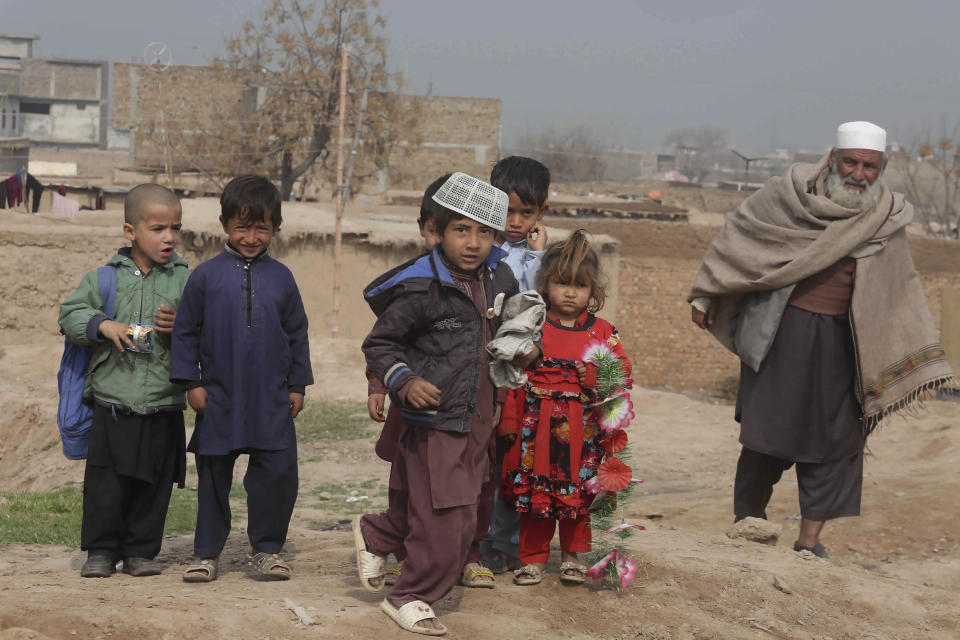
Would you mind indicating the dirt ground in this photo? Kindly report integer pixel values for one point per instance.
(894, 573)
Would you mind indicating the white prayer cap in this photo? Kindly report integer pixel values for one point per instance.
(861, 135)
(474, 199)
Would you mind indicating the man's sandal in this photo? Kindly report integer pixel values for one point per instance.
(410, 614)
(268, 566)
(370, 567)
(528, 575)
(573, 572)
(202, 570)
(477, 575)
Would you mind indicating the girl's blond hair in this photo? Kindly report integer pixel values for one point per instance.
(573, 260)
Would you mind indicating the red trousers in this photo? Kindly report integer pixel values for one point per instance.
(536, 534)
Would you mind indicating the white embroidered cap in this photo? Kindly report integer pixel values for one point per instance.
(474, 199)
(861, 135)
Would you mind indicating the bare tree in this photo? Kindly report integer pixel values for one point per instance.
(930, 175)
(280, 116)
(574, 155)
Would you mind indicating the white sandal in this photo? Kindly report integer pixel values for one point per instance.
(369, 565)
(410, 614)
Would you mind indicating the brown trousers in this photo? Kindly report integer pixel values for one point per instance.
(433, 544)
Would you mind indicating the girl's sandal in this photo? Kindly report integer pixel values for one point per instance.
(202, 570)
(268, 566)
(573, 573)
(528, 575)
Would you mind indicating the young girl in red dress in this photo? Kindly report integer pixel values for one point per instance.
(557, 440)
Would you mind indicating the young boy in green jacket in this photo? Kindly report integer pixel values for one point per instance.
(137, 444)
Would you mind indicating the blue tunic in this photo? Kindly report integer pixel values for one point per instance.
(241, 333)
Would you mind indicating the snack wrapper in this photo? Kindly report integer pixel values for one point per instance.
(142, 337)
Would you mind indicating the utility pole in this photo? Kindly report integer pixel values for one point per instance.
(337, 233)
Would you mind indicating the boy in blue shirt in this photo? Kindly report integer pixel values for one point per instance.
(240, 347)
(526, 183)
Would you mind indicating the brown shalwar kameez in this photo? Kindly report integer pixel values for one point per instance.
(444, 492)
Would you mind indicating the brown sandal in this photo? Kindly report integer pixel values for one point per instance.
(202, 570)
(268, 566)
(528, 575)
(577, 572)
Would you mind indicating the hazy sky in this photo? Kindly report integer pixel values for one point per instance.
(771, 72)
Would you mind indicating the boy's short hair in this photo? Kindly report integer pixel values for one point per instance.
(251, 198)
(428, 207)
(526, 177)
(144, 194)
(443, 217)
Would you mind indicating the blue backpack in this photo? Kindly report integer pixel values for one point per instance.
(74, 414)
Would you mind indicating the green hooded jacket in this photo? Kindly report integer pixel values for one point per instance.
(137, 382)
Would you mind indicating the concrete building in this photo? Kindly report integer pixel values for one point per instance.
(55, 102)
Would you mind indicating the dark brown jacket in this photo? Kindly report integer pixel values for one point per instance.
(428, 327)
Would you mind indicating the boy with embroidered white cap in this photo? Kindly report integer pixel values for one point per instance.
(435, 315)
(833, 329)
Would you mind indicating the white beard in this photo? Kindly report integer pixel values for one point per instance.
(837, 191)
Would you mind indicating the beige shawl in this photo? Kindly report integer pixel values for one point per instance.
(788, 231)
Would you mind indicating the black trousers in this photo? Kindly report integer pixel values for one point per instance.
(131, 467)
(827, 490)
(271, 481)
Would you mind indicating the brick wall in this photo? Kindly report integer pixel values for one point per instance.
(466, 121)
(454, 134)
(68, 80)
(668, 351)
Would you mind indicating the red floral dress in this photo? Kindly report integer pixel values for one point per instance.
(544, 471)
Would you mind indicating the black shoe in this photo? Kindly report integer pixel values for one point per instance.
(818, 550)
(99, 564)
(139, 567)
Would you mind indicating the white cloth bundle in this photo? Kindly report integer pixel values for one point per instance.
(522, 319)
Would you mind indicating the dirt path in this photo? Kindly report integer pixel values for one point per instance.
(895, 571)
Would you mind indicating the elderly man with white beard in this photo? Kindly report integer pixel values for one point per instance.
(811, 283)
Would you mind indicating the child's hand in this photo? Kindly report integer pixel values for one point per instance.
(524, 360)
(163, 319)
(537, 237)
(115, 332)
(296, 403)
(375, 406)
(197, 399)
(422, 394)
(510, 438)
(587, 374)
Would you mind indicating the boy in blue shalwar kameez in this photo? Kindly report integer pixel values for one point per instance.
(240, 347)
